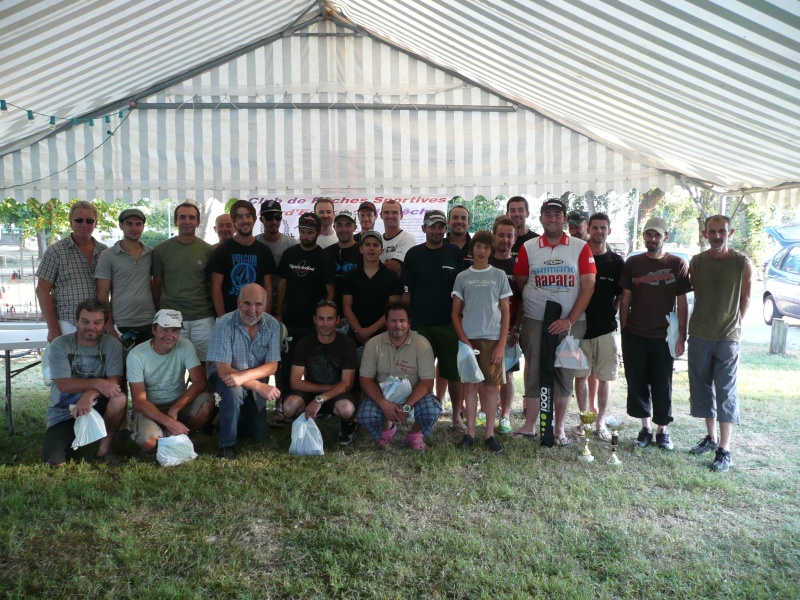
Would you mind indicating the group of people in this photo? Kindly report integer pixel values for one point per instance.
(207, 335)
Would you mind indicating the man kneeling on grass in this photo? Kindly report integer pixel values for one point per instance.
(323, 373)
(404, 354)
(482, 292)
(163, 405)
(86, 368)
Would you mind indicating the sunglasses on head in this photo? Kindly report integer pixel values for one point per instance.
(272, 217)
(81, 220)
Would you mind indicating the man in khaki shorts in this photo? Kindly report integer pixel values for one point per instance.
(163, 405)
(599, 343)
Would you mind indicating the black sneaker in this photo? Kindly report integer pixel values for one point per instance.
(466, 442)
(226, 452)
(722, 461)
(493, 445)
(705, 445)
(663, 441)
(645, 438)
(346, 433)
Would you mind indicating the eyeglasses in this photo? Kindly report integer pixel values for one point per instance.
(87, 366)
(81, 220)
(272, 217)
(330, 303)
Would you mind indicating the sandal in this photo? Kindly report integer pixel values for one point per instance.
(562, 441)
(460, 427)
(602, 434)
(386, 436)
(416, 441)
(578, 431)
(524, 435)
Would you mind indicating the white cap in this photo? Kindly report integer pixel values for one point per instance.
(168, 318)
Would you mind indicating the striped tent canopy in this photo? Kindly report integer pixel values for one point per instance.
(235, 97)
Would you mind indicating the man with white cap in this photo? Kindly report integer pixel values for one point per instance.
(163, 404)
(652, 284)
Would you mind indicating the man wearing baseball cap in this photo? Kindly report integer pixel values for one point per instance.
(367, 214)
(652, 284)
(345, 253)
(307, 276)
(163, 404)
(578, 224)
(559, 268)
(272, 219)
(123, 273)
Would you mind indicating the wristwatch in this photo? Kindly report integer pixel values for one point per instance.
(319, 399)
(406, 408)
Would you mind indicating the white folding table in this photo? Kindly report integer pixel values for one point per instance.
(13, 340)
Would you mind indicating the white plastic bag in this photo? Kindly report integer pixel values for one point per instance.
(672, 332)
(468, 369)
(89, 428)
(175, 450)
(569, 354)
(46, 365)
(306, 437)
(397, 391)
(512, 356)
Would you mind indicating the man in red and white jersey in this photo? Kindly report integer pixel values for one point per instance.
(560, 268)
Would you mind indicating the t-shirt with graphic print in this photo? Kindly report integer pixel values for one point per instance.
(306, 272)
(239, 266)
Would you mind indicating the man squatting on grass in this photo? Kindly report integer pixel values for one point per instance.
(480, 316)
(162, 402)
(721, 278)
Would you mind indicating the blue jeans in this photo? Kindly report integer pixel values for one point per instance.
(240, 414)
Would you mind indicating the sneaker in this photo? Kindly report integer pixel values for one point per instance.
(493, 445)
(663, 441)
(466, 442)
(346, 433)
(645, 438)
(722, 461)
(705, 445)
(227, 453)
(480, 419)
(504, 426)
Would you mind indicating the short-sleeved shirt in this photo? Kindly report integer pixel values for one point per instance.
(717, 287)
(323, 241)
(183, 269)
(395, 248)
(279, 247)
(131, 293)
(601, 313)
(324, 363)
(163, 375)
(231, 344)
(370, 294)
(72, 276)
(428, 275)
(481, 292)
(466, 255)
(345, 260)
(413, 360)
(68, 358)
(529, 235)
(239, 266)
(655, 284)
(507, 266)
(554, 273)
(306, 272)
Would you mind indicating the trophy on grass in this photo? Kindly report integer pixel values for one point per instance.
(587, 419)
(615, 425)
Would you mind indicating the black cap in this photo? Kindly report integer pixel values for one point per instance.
(553, 203)
(371, 234)
(309, 221)
(367, 205)
(577, 217)
(271, 206)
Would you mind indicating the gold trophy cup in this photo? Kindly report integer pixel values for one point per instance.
(587, 418)
(615, 426)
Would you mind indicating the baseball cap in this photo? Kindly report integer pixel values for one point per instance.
(371, 234)
(367, 206)
(657, 224)
(132, 212)
(553, 203)
(168, 318)
(346, 214)
(271, 206)
(309, 221)
(434, 216)
(577, 217)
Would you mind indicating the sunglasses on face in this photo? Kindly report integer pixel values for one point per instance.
(81, 220)
(272, 217)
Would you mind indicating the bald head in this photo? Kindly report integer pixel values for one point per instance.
(252, 303)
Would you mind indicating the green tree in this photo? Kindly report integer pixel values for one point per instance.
(483, 211)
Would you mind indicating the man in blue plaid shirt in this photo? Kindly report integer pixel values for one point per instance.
(243, 353)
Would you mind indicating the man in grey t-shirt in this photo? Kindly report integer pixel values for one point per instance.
(272, 218)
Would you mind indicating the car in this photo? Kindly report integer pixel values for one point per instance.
(782, 284)
(685, 257)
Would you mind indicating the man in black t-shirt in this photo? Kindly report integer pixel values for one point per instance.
(323, 372)
(240, 261)
(345, 254)
(517, 210)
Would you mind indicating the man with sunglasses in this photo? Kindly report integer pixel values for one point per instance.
(66, 273)
(86, 369)
(272, 220)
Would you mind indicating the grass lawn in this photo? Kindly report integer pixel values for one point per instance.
(370, 523)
